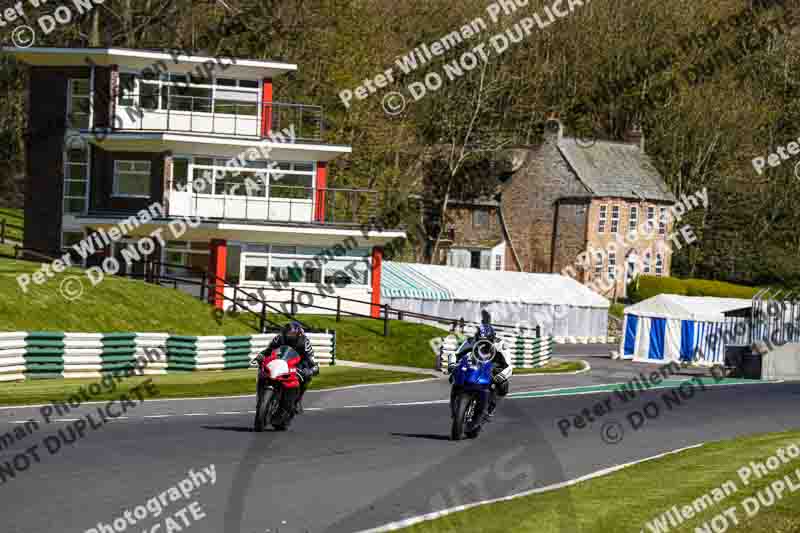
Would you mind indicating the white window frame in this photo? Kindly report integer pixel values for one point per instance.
(219, 166)
(602, 218)
(498, 262)
(615, 210)
(163, 81)
(662, 221)
(300, 258)
(647, 263)
(633, 218)
(659, 264)
(88, 96)
(86, 181)
(599, 263)
(115, 190)
(612, 265)
(651, 218)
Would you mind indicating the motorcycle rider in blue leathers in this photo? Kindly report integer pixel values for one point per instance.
(501, 371)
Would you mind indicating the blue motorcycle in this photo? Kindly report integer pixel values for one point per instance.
(471, 377)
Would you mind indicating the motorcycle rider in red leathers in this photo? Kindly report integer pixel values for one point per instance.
(293, 336)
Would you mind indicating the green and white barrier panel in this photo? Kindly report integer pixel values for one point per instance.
(520, 351)
(31, 355)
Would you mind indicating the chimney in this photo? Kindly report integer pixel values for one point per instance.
(553, 129)
(635, 135)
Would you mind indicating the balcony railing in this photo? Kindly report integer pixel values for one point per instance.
(283, 204)
(195, 114)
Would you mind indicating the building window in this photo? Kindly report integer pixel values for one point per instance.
(598, 264)
(612, 265)
(475, 259)
(76, 178)
(615, 219)
(79, 106)
(662, 221)
(300, 264)
(659, 265)
(647, 263)
(185, 92)
(601, 224)
(498, 262)
(132, 179)
(633, 218)
(480, 218)
(258, 179)
(651, 219)
(185, 258)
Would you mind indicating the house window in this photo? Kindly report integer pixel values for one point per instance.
(76, 178)
(601, 224)
(475, 259)
(289, 180)
(79, 106)
(300, 264)
(480, 218)
(612, 265)
(659, 265)
(647, 263)
(598, 264)
(185, 259)
(498, 262)
(633, 218)
(662, 221)
(185, 92)
(651, 218)
(615, 219)
(132, 179)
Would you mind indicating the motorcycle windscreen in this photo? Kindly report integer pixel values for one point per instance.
(469, 374)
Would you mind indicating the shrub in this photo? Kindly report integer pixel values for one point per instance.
(644, 287)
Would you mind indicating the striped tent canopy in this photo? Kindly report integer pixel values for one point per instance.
(402, 280)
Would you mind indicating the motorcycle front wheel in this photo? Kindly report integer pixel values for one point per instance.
(460, 415)
(263, 408)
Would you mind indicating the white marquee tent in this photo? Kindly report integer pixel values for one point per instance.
(559, 304)
(670, 327)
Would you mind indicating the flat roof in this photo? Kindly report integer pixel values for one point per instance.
(141, 59)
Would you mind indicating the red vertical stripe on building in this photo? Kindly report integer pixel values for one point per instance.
(377, 262)
(217, 261)
(320, 184)
(266, 107)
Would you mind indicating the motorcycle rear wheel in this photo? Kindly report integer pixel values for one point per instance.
(263, 408)
(462, 405)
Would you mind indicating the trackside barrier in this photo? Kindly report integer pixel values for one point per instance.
(521, 351)
(32, 355)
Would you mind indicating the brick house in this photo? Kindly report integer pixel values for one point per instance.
(569, 207)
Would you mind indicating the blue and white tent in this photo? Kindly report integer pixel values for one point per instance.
(669, 327)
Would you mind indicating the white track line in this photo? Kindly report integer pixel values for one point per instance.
(151, 400)
(400, 524)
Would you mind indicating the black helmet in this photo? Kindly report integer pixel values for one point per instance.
(293, 333)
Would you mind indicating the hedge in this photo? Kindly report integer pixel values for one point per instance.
(644, 287)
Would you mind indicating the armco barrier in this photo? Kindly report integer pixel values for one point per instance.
(30, 355)
(521, 351)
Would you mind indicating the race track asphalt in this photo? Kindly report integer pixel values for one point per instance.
(358, 457)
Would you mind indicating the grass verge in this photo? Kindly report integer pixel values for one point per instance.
(190, 384)
(554, 366)
(629, 500)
